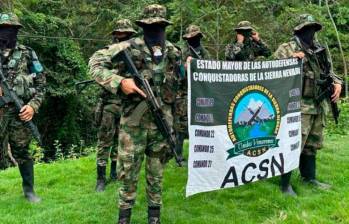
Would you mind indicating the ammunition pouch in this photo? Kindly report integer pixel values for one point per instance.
(308, 87)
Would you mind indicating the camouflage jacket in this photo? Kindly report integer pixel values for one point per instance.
(201, 51)
(109, 100)
(162, 77)
(247, 51)
(24, 73)
(311, 73)
(186, 52)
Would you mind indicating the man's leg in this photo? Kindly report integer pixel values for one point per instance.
(313, 142)
(179, 147)
(155, 164)
(19, 140)
(132, 144)
(114, 150)
(106, 134)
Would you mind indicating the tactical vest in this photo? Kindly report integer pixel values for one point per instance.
(160, 76)
(22, 71)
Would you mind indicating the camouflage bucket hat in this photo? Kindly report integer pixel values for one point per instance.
(124, 26)
(192, 31)
(154, 14)
(9, 19)
(244, 25)
(306, 20)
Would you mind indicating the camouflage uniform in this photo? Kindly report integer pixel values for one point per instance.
(23, 72)
(249, 50)
(107, 116)
(313, 114)
(181, 117)
(139, 134)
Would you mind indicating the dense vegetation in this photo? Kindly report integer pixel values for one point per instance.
(70, 31)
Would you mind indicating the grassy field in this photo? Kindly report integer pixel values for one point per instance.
(67, 189)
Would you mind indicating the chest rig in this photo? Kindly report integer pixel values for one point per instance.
(10, 61)
(155, 73)
(21, 72)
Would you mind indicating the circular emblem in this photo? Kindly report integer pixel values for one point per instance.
(253, 122)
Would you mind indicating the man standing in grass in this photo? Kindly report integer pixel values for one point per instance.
(316, 69)
(157, 60)
(248, 44)
(24, 74)
(192, 49)
(108, 112)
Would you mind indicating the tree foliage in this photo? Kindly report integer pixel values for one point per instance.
(74, 29)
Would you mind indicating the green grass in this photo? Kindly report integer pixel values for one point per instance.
(67, 189)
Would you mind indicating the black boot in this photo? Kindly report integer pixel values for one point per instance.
(124, 216)
(309, 173)
(27, 172)
(101, 180)
(113, 175)
(179, 147)
(285, 185)
(302, 165)
(154, 215)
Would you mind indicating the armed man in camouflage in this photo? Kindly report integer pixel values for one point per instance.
(24, 73)
(248, 45)
(157, 60)
(107, 116)
(192, 49)
(304, 46)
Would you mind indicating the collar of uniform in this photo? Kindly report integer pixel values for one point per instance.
(141, 42)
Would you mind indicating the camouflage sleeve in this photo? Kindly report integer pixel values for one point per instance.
(336, 78)
(262, 49)
(232, 50)
(175, 55)
(39, 82)
(101, 69)
(285, 50)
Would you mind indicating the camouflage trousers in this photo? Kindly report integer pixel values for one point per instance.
(108, 136)
(181, 116)
(16, 134)
(312, 133)
(135, 143)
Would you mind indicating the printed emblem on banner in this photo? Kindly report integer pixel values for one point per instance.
(253, 122)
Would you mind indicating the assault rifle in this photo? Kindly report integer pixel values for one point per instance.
(326, 83)
(83, 85)
(326, 80)
(153, 105)
(9, 96)
(197, 56)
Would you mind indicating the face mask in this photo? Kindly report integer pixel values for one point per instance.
(121, 38)
(194, 41)
(306, 35)
(8, 37)
(154, 37)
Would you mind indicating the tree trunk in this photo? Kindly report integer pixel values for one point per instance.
(345, 69)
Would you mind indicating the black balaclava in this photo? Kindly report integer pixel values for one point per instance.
(306, 35)
(194, 41)
(126, 37)
(8, 37)
(154, 37)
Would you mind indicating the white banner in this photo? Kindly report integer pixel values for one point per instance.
(244, 122)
